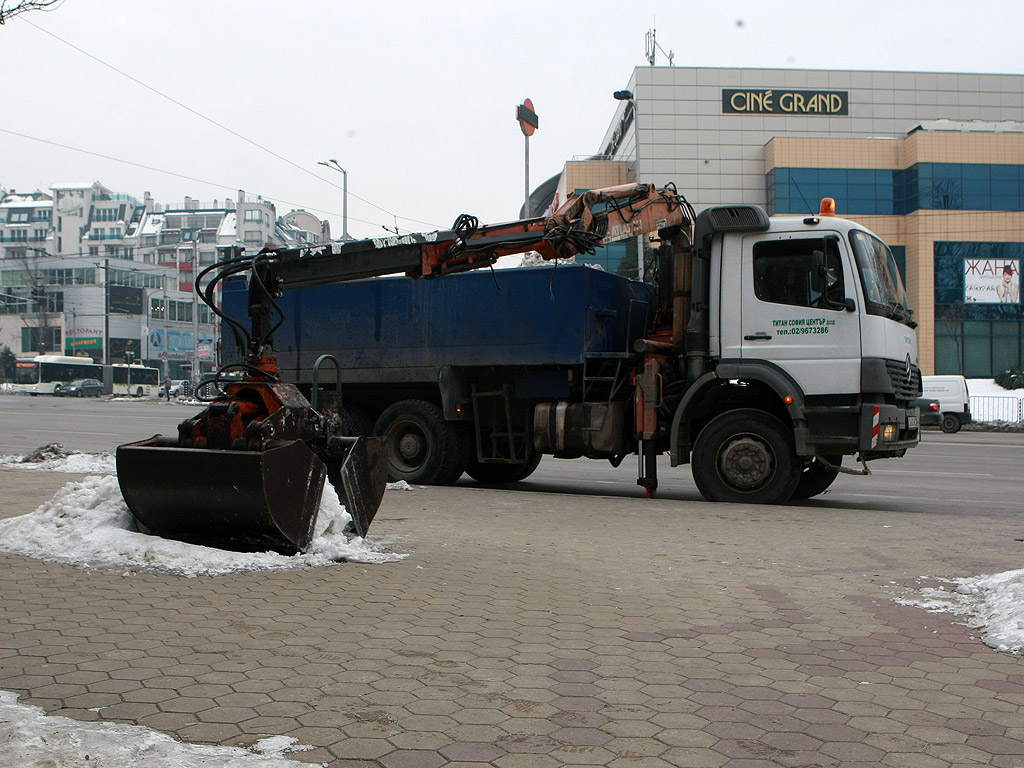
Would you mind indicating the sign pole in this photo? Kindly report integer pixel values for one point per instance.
(528, 124)
(526, 205)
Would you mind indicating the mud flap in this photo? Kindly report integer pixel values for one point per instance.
(358, 469)
(240, 500)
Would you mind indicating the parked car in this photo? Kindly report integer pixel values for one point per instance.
(931, 412)
(81, 388)
(177, 388)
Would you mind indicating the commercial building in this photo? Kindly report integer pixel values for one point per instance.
(931, 162)
(87, 272)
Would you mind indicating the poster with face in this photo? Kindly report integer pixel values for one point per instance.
(991, 281)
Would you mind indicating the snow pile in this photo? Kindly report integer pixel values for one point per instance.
(31, 738)
(994, 604)
(56, 458)
(88, 524)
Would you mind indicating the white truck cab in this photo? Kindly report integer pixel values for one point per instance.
(808, 318)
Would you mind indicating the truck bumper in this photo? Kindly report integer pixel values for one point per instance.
(887, 430)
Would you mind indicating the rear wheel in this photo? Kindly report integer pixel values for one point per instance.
(950, 423)
(459, 459)
(745, 456)
(489, 474)
(816, 478)
(420, 445)
(138, 392)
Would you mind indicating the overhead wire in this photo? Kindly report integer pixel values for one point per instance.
(169, 173)
(223, 127)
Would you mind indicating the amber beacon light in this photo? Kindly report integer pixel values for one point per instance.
(828, 206)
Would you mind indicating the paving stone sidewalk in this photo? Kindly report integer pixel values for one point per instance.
(536, 630)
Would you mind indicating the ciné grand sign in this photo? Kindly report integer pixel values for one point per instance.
(768, 101)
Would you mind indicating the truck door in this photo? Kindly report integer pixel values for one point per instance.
(798, 310)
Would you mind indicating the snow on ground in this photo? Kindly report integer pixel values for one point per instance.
(87, 523)
(993, 604)
(32, 738)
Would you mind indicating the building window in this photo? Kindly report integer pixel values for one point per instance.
(17, 217)
(253, 236)
(253, 214)
(41, 340)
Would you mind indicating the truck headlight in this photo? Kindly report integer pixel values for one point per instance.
(890, 432)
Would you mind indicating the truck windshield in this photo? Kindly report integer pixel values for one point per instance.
(883, 288)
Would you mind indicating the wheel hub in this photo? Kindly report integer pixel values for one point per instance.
(410, 446)
(746, 463)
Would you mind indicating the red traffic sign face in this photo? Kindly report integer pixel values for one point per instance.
(527, 118)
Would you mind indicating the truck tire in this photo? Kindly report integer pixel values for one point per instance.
(497, 474)
(457, 462)
(816, 478)
(950, 423)
(747, 456)
(420, 444)
(354, 423)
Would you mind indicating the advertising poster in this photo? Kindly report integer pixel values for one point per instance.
(991, 281)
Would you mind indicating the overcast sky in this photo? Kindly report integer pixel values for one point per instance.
(415, 99)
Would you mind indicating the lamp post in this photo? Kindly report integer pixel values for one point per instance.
(333, 165)
(627, 96)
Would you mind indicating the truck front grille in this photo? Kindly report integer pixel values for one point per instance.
(906, 385)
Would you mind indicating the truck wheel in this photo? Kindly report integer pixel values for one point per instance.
(459, 458)
(418, 442)
(491, 474)
(354, 423)
(950, 423)
(745, 456)
(816, 478)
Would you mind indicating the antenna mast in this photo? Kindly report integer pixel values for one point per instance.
(653, 48)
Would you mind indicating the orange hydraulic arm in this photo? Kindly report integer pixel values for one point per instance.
(596, 217)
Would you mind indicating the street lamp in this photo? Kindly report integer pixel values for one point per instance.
(333, 165)
(627, 96)
(630, 112)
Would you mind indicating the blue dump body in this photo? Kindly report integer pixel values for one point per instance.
(402, 329)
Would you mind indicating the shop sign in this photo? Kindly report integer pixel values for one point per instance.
(769, 101)
(85, 341)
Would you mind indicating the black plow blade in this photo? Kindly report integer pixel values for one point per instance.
(239, 500)
(358, 469)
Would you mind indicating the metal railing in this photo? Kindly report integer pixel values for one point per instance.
(994, 408)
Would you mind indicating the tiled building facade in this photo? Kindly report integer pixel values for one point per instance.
(932, 162)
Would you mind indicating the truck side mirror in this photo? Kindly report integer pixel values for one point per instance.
(825, 280)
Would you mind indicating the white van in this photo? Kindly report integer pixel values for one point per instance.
(953, 398)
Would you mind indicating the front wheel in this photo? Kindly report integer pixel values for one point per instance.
(80, 393)
(138, 392)
(816, 477)
(745, 455)
(950, 423)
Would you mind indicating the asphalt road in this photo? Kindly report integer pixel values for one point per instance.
(963, 474)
